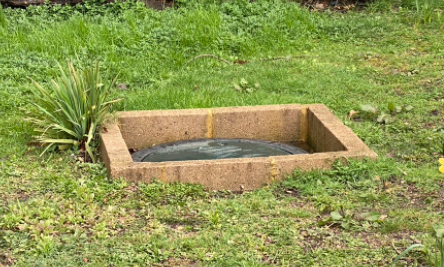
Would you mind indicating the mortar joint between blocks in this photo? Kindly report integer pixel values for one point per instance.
(210, 124)
(304, 124)
(274, 170)
(163, 174)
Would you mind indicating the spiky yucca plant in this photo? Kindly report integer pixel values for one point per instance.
(71, 108)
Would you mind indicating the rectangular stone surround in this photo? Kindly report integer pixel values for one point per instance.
(313, 126)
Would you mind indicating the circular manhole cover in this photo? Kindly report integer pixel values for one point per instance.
(208, 149)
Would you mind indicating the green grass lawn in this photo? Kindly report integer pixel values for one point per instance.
(55, 211)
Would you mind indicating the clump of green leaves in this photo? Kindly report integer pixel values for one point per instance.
(71, 109)
(437, 258)
(349, 220)
(369, 112)
(420, 12)
(244, 86)
(439, 241)
(428, 11)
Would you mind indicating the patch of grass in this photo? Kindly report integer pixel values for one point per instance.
(3, 20)
(422, 13)
(55, 210)
(176, 194)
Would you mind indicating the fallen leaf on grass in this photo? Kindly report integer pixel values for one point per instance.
(369, 108)
(352, 114)
(370, 216)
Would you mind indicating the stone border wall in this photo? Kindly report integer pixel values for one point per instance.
(314, 124)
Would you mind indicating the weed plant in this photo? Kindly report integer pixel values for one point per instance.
(436, 259)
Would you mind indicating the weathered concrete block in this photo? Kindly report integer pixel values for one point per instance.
(314, 125)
